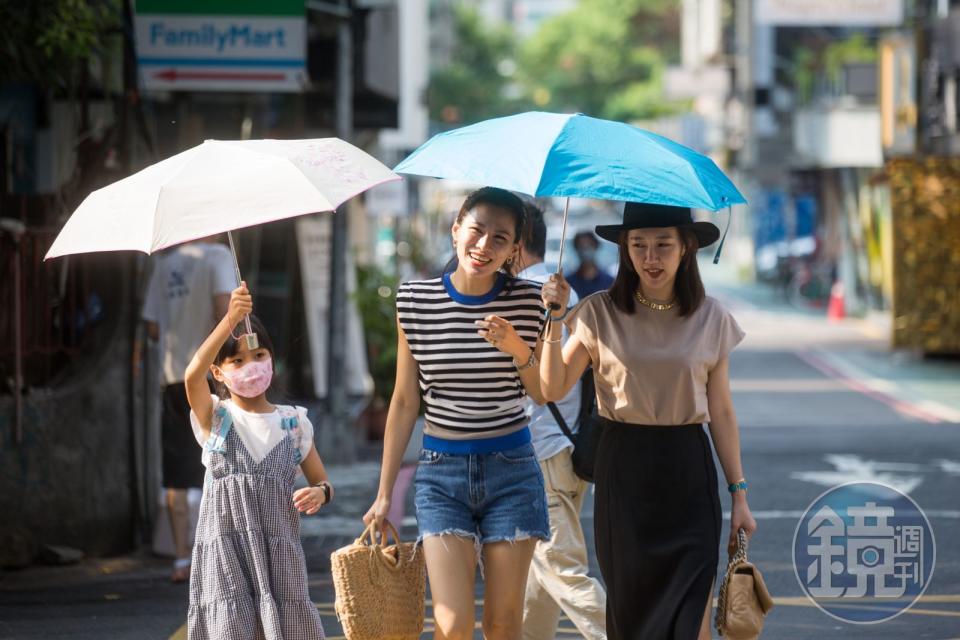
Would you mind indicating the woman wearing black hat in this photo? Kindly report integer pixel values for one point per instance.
(659, 348)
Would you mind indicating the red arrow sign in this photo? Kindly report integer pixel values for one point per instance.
(172, 75)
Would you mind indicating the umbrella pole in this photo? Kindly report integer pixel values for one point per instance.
(252, 342)
(716, 257)
(563, 240)
(563, 235)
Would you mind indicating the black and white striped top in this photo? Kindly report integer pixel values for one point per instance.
(471, 389)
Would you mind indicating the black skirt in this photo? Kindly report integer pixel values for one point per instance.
(657, 526)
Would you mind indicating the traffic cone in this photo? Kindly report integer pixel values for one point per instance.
(836, 309)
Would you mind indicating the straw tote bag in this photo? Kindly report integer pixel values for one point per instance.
(380, 589)
(744, 600)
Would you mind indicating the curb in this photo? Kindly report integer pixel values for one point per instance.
(882, 390)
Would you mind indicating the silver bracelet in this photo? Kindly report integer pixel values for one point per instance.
(531, 362)
(560, 339)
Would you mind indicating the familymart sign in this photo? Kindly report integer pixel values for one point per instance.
(221, 45)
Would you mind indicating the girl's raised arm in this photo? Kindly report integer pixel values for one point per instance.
(195, 378)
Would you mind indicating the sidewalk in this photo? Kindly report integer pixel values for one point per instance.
(855, 351)
(130, 596)
(927, 389)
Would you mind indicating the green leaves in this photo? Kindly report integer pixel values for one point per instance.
(375, 298)
(471, 87)
(604, 58)
(808, 64)
(46, 41)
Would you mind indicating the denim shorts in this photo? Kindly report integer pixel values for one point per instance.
(490, 497)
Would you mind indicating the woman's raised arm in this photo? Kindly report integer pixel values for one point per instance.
(560, 368)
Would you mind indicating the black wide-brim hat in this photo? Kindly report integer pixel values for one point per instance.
(641, 215)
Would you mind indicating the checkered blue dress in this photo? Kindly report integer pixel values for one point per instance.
(249, 576)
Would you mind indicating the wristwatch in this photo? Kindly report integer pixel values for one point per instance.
(531, 362)
(323, 484)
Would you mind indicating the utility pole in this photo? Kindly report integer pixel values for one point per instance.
(142, 515)
(340, 431)
(743, 61)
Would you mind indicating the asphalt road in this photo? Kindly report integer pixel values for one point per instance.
(819, 404)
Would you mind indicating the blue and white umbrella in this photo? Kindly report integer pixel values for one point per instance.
(573, 155)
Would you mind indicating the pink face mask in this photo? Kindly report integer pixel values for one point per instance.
(250, 380)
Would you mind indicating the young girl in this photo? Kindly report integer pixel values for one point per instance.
(478, 485)
(249, 577)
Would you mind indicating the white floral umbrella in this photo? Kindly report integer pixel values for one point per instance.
(216, 187)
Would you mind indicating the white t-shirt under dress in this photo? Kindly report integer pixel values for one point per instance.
(259, 432)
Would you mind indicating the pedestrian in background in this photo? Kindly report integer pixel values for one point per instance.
(249, 575)
(558, 578)
(589, 277)
(659, 348)
(188, 292)
(478, 487)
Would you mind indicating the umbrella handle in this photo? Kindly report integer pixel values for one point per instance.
(563, 239)
(249, 336)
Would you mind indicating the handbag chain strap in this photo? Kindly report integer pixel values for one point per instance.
(738, 557)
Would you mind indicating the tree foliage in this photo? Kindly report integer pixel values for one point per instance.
(471, 87)
(605, 58)
(51, 42)
(375, 298)
(811, 65)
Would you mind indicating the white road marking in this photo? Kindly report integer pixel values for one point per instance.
(951, 467)
(853, 468)
(786, 385)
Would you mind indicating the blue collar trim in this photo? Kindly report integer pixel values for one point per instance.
(462, 298)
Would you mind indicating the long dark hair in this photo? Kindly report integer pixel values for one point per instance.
(494, 197)
(231, 348)
(688, 287)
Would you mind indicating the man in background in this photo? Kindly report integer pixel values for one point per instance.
(558, 573)
(189, 292)
(588, 278)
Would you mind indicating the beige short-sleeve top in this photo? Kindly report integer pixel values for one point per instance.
(651, 367)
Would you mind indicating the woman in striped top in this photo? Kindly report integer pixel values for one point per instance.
(468, 346)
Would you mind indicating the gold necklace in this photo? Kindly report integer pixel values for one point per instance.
(658, 306)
